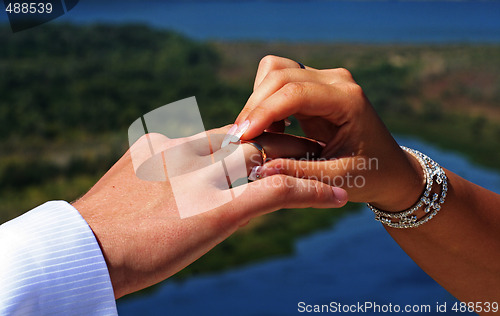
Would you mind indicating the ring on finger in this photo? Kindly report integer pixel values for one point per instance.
(258, 147)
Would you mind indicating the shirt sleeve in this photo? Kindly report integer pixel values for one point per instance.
(51, 264)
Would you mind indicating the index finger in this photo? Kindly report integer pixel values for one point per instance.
(330, 102)
(270, 63)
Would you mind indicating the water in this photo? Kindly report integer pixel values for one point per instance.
(338, 21)
(355, 261)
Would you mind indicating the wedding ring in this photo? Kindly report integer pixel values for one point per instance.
(258, 147)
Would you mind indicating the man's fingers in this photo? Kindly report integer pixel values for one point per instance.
(282, 191)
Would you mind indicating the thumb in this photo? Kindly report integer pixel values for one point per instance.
(282, 191)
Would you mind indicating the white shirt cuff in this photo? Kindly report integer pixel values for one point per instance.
(51, 264)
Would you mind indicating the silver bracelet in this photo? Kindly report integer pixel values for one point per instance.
(432, 204)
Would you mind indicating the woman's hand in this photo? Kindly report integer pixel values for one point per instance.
(459, 247)
(360, 154)
(135, 209)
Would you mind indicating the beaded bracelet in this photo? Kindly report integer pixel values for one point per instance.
(432, 204)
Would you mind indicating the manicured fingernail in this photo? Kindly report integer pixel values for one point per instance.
(242, 129)
(288, 122)
(255, 173)
(229, 136)
(260, 172)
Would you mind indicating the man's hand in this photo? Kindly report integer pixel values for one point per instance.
(137, 221)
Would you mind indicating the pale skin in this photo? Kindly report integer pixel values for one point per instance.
(138, 226)
(459, 248)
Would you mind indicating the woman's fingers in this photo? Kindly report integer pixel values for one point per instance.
(270, 63)
(274, 81)
(277, 127)
(304, 99)
(272, 73)
(324, 170)
(342, 173)
(278, 145)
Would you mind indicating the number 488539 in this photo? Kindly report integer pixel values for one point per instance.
(477, 307)
(29, 8)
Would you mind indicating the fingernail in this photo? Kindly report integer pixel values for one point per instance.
(255, 173)
(259, 172)
(242, 129)
(321, 144)
(229, 136)
(288, 122)
(340, 195)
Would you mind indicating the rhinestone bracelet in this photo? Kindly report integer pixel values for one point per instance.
(430, 202)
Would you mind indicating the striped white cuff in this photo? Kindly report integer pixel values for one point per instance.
(51, 264)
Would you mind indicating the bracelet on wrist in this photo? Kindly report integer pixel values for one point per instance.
(430, 200)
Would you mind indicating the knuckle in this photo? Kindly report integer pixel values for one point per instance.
(344, 73)
(318, 190)
(279, 186)
(293, 89)
(277, 76)
(268, 61)
(354, 89)
(287, 191)
(358, 101)
(300, 173)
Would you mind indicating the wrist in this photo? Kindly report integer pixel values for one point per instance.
(101, 231)
(404, 186)
(429, 203)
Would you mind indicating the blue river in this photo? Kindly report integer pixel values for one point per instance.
(341, 21)
(387, 21)
(354, 261)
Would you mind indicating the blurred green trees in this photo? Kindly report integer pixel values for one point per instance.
(68, 94)
(99, 78)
